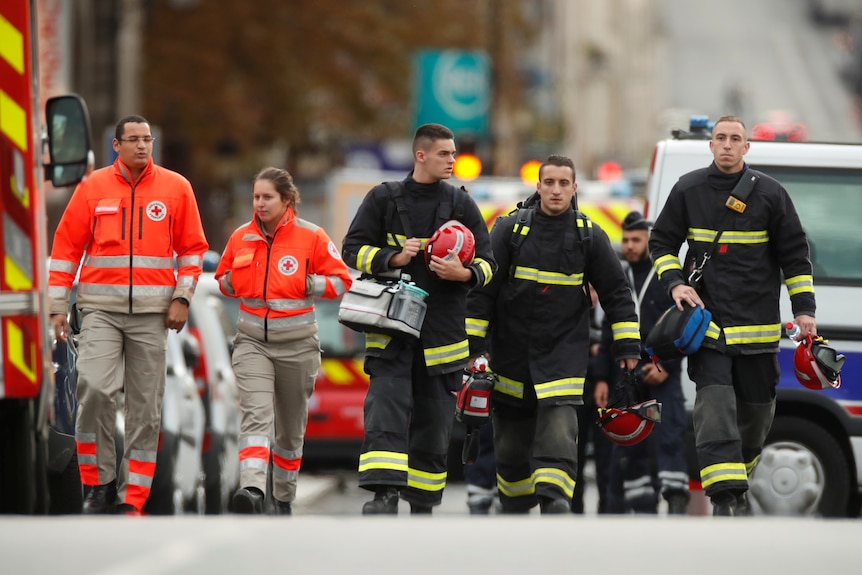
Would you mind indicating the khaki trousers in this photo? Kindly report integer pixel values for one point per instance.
(275, 382)
(120, 352)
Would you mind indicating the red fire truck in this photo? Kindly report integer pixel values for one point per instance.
(30, 152)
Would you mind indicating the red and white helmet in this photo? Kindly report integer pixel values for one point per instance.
(452, 235)
(632, 424)
(816, 365)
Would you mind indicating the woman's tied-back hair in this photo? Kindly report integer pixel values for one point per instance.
(559, 161)
(283, 183)
(427, 134)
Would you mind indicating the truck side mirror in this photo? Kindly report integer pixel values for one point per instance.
(69, 140)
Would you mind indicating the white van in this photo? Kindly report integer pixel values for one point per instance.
(812, 463)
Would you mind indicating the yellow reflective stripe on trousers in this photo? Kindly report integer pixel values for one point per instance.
(799, 284)
(722, 472)
(383, 460)
(712, 330)
(666, 263)
(549, 278)
(447, 353)
(750, 465)
(509, 387)
(519, 488)
(425, 480)
(556, 477)
(560, 388)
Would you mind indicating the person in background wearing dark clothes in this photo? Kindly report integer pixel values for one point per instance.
(644, 475)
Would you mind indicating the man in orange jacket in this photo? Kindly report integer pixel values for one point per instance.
(137, 227)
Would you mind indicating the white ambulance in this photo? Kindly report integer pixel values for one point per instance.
(812, 463)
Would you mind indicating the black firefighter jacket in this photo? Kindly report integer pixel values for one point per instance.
(534, 315)
(371, 241)
(742, 280)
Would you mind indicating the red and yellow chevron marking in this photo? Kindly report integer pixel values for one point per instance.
(21, 336)
(609, 215)
(343, 372)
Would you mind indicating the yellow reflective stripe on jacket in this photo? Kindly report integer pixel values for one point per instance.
(398, 240)
(556, 477)
(383, 460)
(377, 340)
(509, 387)
(735, 335)
(626, 330)
(425, 480)
(799, 284)
(560, 388)
(712, 330)
(476, 327)
(722, 472)
(447, 353)
(364, 257)
(486, 270)
(729, 236)
(551, 278)
(666, 263)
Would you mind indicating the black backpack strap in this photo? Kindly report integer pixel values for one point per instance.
(397, 191)
(585, 235)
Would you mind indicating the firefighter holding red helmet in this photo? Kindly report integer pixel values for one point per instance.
(738, 254)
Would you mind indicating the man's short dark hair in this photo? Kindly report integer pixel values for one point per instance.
(560, 161)
(427, 134)
(730, 118)
(121, 125)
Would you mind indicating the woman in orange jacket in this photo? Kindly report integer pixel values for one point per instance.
(276, 264)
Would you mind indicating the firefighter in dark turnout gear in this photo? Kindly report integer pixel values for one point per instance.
(736, 369)
(657, 465)
(535, 317)
(410, 405)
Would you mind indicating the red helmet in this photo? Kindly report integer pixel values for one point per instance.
(453, 235)
(632, 424)
(816, 365)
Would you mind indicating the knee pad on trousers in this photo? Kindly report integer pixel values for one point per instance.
(755, 419)
(715, 415)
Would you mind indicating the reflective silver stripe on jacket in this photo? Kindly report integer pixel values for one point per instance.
(145, 262)
(123, 290)
(252, 320)
(196, 261)
(278, 304)
(59, 292)
(63, 266)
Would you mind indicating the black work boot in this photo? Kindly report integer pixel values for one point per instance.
(677, 503)
(550, 506)
(101, 499)
(247, 500)
(385, 502)
(742, 507)
(724, 505)
(282, 508)
(416, 509)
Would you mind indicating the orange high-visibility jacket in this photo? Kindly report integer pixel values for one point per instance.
(277, 282)
(130, 232)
